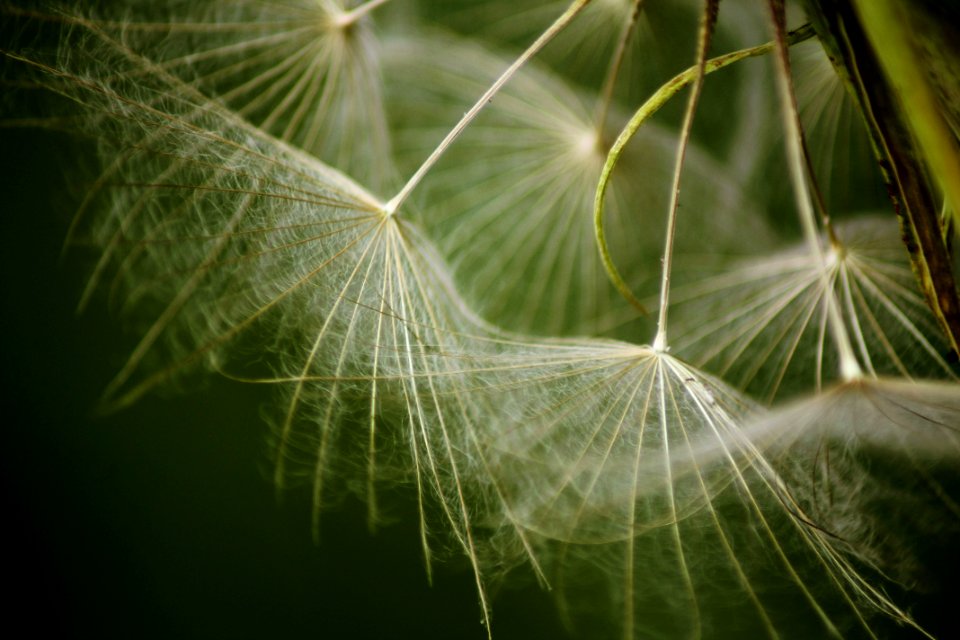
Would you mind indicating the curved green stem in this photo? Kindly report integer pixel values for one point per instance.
(650, 107)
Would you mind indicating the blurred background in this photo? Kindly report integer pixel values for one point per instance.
(161, 521)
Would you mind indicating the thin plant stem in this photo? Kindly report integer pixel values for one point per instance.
(819, 200)
(849, 366)
(707, 23)
(616, 63)
(650, 107)
(391, 207)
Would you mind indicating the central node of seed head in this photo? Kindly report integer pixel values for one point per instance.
(389, 209)
(338, 20)
(834, 255)
(339, 23)
(586, 143)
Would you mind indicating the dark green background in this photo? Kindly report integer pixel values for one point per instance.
(161, 521)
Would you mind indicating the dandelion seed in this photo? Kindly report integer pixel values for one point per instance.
(251, 258)
(610, 412)
(642, 497)
(763, 324)
(306, 71)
